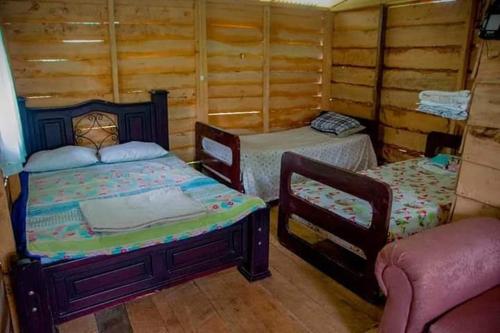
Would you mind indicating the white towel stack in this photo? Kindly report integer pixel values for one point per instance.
(447, 104)
(135, 212)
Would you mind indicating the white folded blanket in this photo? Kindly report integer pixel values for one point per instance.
(443, 112)
(451, 107)
(461, 97)
(135, 212)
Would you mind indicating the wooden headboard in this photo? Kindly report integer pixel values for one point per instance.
(49, 128)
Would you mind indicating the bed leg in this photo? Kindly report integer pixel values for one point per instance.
(256, 263)
(32, 297)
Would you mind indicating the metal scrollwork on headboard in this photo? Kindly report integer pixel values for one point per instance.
(96, 129)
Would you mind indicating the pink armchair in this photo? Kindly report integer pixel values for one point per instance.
(443, 280)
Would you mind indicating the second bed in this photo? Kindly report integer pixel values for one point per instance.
(251, 163)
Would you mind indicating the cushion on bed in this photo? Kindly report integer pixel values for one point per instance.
(348, 132)
(445, 162)
(338, 124)
(131, 151)
(66, 157)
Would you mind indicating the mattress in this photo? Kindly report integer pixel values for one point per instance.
(53, 227)
(261, 155)
(422, 199)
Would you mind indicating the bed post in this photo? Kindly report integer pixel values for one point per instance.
(26, 121)
(160, 105)
(32, 297)
(255, 265)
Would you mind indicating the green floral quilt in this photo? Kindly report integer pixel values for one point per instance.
(422, 197)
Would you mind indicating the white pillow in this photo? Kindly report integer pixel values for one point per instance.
(66, 157)
(131, 151)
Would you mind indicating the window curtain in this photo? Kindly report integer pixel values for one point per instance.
(12, 151)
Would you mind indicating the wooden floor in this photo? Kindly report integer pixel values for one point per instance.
(296, 298)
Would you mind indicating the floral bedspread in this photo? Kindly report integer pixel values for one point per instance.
(422, 197)
(56, 228)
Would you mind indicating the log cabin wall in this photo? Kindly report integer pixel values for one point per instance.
(297, 37)
(354, 61)
(246, 66)
(425, 46)
(156, 50)
(478, 190)
(235, 62)
(264, 65)
(66, 52)
(243, 65)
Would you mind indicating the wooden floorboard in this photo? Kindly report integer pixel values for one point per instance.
(296, 298)
(85, 324)
(113, 320)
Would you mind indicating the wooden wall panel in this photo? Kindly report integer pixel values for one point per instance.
(424, 44)
(296, 53)
(465, 207)
(478, 189)
(156, 50)
(264, 64)
(61, 54)
(480, 182)
(354, 60)
(59, 51)
(235, 64)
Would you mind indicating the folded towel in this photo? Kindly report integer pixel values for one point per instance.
(451, 107)
(135, 212)
(443, 112)
(445, 97)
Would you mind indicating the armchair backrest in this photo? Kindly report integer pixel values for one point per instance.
(428, 274)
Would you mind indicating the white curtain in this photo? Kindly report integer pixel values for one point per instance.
(12, 152)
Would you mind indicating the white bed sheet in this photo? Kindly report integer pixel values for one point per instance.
(261, 155)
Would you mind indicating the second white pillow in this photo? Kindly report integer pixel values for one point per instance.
(131, 151)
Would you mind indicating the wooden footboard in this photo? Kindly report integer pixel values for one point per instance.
(229, 174)
(48, 295)
(437, 141)
(354, 271)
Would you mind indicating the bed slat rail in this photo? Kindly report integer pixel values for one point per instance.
(376, 193)
(213, 166)
(349, 268)
(437, 141)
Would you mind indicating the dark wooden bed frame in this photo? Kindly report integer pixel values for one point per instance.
(230, 174)
(351, 270)
(49, 294)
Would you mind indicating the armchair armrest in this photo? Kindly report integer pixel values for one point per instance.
(429, 273)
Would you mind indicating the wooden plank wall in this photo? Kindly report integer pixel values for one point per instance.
(354, 58)
(59, 52)
(235, 66)
(478, 190)
(252, 67)
(8, 314)
(156, 50)
(296, 64)
(264, 63)
(424, 45)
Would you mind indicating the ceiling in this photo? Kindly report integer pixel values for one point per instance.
(337, 5)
